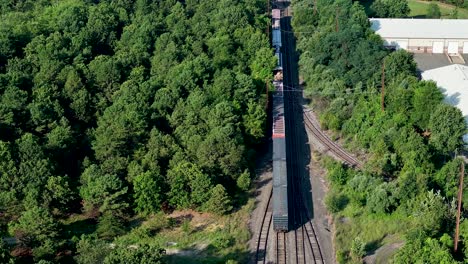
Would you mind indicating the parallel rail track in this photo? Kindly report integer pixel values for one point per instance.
(262, 241)
(306, 242)
(281, 256)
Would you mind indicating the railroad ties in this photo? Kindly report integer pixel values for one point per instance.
(281, 252)
(264, 235)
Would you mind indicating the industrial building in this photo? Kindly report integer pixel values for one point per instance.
(448, 36)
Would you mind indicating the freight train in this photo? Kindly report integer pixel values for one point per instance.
(280, 179)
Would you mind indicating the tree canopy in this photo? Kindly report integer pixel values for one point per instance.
(410, 171)
(119, 108)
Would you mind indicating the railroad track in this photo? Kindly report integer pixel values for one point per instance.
(281, 256)
(314, 127)
(313, 243)
(262, 241)
(307, 249)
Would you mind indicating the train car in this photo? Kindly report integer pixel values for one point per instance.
(280, 183)
(276, 28)
(280, 180)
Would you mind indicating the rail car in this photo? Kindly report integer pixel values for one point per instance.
(280, 180)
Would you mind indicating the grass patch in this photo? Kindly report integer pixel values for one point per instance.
(212, 239)
(419, 9)
(375, 230)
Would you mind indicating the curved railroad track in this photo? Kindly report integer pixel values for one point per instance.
(338, 151)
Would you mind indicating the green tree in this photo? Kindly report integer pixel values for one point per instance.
(379, 199)
(433, 10)
(102, 191)
(110, 226)
(243, 182)
(391, 8)
(358, 248)
(148, 196)
(37, 229)
(429, 211)
(447, 127)
(335, 202)
(426, 98)
(219, 201)
(91, 250)
(5, 256)
(58, 193)
(189, 185)
(424, 250)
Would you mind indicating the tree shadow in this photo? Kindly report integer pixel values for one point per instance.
(372, 246)
(80, 227)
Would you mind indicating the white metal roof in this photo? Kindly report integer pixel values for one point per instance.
(453, 80)
(420, 28)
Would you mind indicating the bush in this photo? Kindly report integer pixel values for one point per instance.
(433, 11)
(358, 248)
(243, 182)
(336, 202)
(222, 241)
(219, 202)
(110, 226)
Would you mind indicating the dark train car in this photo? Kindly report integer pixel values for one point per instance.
(280, 181)
(280, 197)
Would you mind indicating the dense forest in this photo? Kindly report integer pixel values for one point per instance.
(117, 108)
(405, 196)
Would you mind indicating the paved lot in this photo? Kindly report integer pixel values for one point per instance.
(427, 61)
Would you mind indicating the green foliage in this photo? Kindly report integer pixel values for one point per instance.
(420, 250)
(91, 250)
(430, 211)
(380, 199)
(335, 202)
(104, 103)
(447, 127)
(243, 182)
(37, 229)
(426, 98)
(5, 256)
(222, 241)
(391, 8)
(433, 11)
(147, 188)
(219, 201)
(409, 169)
(102, 191)
(189, 185)
(58, 192)
(110, 226)
(337, 174)
(358, 248)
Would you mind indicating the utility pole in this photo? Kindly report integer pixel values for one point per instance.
(460, 195)
(315, 7)
(268, 15)
(267, 92)
(337, 26)
(382, 90)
